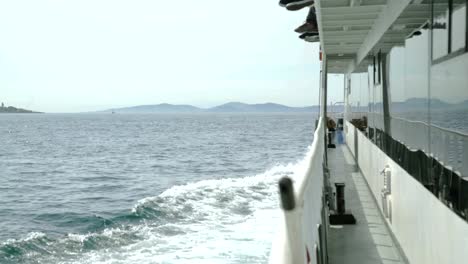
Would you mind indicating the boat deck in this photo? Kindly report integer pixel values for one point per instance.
(370, 240)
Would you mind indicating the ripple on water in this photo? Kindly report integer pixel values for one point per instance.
(77, 187)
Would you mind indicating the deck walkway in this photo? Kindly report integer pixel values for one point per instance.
(369, 241)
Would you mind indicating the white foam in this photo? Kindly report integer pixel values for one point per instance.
(28, 237)
(78, 237)
(228, 220)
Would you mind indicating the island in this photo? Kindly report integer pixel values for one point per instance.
(13, 110)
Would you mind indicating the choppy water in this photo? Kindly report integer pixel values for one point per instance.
(145, 188)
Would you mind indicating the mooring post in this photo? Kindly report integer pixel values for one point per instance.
(330, 140)
(340, 198)
(288, 202)
(341, 217)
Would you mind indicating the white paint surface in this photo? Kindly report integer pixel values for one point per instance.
(298, 231)
(428, 231)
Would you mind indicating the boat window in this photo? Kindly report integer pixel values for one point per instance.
(449, 111)
(449, 29)
(358, 99)
(364, 95)
(458, 22)
(440, 30)
(354, 95)
(396, 82)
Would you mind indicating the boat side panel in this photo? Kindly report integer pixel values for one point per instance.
(428, 231)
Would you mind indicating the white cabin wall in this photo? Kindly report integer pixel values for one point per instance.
(427, 230)
(427, 86)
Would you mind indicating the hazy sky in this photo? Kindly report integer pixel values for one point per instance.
(84, 55)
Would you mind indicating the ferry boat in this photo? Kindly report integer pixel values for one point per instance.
(395, 190)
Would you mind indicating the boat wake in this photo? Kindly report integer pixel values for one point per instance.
(209, 221)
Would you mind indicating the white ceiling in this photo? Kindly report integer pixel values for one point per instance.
(351, 29)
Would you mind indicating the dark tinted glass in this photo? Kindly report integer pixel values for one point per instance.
(440, 27)
(458, 25)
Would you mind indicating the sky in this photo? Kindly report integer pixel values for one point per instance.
(87, 55)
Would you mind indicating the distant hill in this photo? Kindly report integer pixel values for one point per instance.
(14, 110)
(421, 104)
(410, 105)
(159, 108)
(463, 104)
(232, 107)
(265, 108)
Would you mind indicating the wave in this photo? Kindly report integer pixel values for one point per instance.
(204, 221)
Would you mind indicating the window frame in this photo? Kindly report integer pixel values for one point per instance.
(451, 53)
(374, 68)
(466, 27)
(450, 25)
(377, 67)
(379, 64)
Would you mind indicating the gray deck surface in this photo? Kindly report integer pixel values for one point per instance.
(369, 241)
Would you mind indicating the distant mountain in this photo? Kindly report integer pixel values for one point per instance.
(463, 104)
(265, 108)
(421, 104)
(159, 108)
(14, 110)
(232, 107)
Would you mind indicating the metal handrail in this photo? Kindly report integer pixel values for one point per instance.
(317, 147)
(446, 130)
(448, 146)
(302, 204)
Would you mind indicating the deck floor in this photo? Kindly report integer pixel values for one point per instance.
(369, 241)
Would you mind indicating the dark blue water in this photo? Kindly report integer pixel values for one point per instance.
(94, 188)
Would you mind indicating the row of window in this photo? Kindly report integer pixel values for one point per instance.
(414, 101)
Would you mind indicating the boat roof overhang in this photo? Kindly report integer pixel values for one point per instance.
(350, 30)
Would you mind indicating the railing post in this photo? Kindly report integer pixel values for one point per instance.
(323, 110)
(464, 169)
(293, 221)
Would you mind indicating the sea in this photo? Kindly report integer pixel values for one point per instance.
(145, 188)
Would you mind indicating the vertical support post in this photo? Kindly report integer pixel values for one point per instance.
(324, 86)
(450, 26)
(323, 109)
(464, 170)
(345, 97)
(385, 97)
(320, 94)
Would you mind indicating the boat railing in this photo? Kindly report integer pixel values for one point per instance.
(448, 146)
(300, 233)
(336, 115)
(432, 155)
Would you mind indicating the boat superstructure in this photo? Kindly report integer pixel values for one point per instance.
(404, 157)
